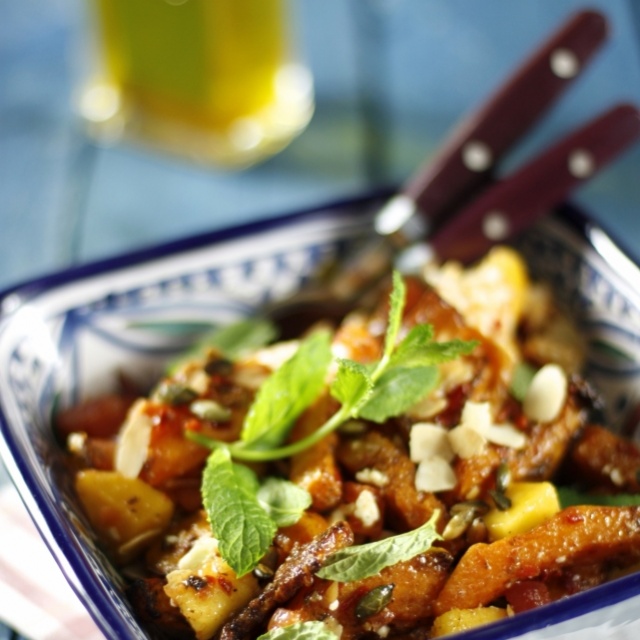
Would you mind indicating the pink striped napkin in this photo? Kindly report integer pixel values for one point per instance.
(35, 598)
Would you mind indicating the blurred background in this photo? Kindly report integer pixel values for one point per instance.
(391, 78)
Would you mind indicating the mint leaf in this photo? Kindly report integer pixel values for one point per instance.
(363, 561)
(352, 383)
(419, 337)
(396, 391)
(521, 379)
(233, 340)
(238, 339)
(569, 497)
(287, 393)
(301, 631)
(396, 307)
(418, 349)
(284, 501)
(243, 528)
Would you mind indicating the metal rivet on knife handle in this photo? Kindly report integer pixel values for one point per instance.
(477, 156)
(564, 63)
(534, 189)
(496, 226)
(581, 163)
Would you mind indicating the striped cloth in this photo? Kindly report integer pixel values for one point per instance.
(35, 598)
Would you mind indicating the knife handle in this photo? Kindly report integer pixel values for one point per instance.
(465, 162)
(509, 207)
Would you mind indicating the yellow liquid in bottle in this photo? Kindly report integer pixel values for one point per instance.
(209, 79)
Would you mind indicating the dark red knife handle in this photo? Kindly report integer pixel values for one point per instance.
(446, 180)
(509, 207)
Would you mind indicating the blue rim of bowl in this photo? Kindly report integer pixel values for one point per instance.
(57, 534)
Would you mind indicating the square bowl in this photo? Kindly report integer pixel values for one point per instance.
(65, 336)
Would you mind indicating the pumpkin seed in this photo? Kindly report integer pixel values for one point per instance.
(374, 601)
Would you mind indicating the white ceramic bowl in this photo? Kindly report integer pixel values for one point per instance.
(66, 335)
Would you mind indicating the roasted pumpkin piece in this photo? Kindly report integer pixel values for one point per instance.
(489, 364)
(399, 598)
(316, 469)
(363, 508)
(169, 453)
(310, 525)
(604, 461)
(573, 536)
(406, 508)
(541, 457)
(354, 340)
(126, 513)
(548, 443)
(98, 417)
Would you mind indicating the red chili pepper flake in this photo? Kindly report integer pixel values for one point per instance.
(226, 585)
(573, 517)
(193, 425)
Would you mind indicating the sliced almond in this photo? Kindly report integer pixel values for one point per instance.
(466, 442)
(427, 440)
(476, 415)
(435, 474)
(133, 443)
(546, 394)
(506, 435)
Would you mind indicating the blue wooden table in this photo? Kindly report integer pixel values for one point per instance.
(391, 76)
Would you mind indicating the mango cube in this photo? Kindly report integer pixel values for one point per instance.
(457, 620)
(126, 513)
(532, 503)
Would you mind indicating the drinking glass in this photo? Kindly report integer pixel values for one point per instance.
(217, 81)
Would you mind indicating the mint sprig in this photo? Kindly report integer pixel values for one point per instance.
(406, 373)
(244, 517)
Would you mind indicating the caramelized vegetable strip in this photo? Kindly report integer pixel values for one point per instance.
(315, 469)
(548, 444)
(399, 598)
(407, 507)
(574, 535)
(297, 571)
(415, 585)
(546, 447)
